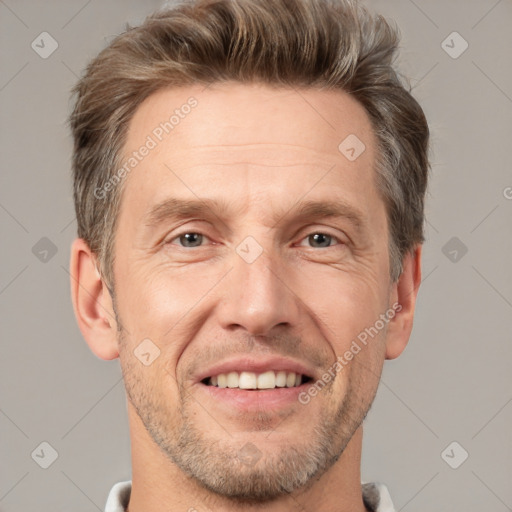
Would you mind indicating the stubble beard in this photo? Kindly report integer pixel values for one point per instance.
(218, 464)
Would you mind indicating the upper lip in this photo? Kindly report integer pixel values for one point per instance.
(256, 365)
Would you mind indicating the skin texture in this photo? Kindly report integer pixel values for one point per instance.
(262, 151)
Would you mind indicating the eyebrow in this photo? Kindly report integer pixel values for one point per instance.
(181, 209)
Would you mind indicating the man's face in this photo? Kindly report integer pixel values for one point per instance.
(253, 281)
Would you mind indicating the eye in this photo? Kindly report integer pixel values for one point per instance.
(189, 239)
(192, 239)
(320, 240)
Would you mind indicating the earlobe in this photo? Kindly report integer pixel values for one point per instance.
(92, 302)
(404, 294)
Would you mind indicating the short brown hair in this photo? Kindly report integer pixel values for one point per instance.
(325, 44)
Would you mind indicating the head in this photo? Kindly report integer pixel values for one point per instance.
(249, 181)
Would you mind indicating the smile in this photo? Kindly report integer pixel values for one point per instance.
(256, 381)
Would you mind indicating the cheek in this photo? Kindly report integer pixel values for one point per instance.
(155, 298)
(343, 304)
(166, 306)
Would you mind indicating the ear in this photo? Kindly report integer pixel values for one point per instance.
(92, 302)
(403, 294)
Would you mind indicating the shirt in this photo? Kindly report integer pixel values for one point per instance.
(376, 497)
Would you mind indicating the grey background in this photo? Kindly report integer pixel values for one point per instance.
(453, 382)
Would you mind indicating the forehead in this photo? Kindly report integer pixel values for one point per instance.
(250, 141)
(198, 116)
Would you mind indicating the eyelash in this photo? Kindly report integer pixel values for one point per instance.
(179, 235)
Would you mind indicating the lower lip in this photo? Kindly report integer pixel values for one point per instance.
(255, 399)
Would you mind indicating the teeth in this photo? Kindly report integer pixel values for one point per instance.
(232, 380)
(290, 380)
(222, 380)
(267, 380)
(247, 380)
(251, 380)
(281, 379)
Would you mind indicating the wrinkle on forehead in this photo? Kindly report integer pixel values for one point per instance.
(231, 130)
(234, 114)
(259, 154)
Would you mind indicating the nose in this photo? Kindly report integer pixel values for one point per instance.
(258, 296)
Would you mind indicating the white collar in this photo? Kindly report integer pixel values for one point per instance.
(375, 495)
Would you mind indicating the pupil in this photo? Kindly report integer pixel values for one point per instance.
(190, 239)
(320, 238)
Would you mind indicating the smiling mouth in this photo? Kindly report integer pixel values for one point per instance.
(251, 381)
